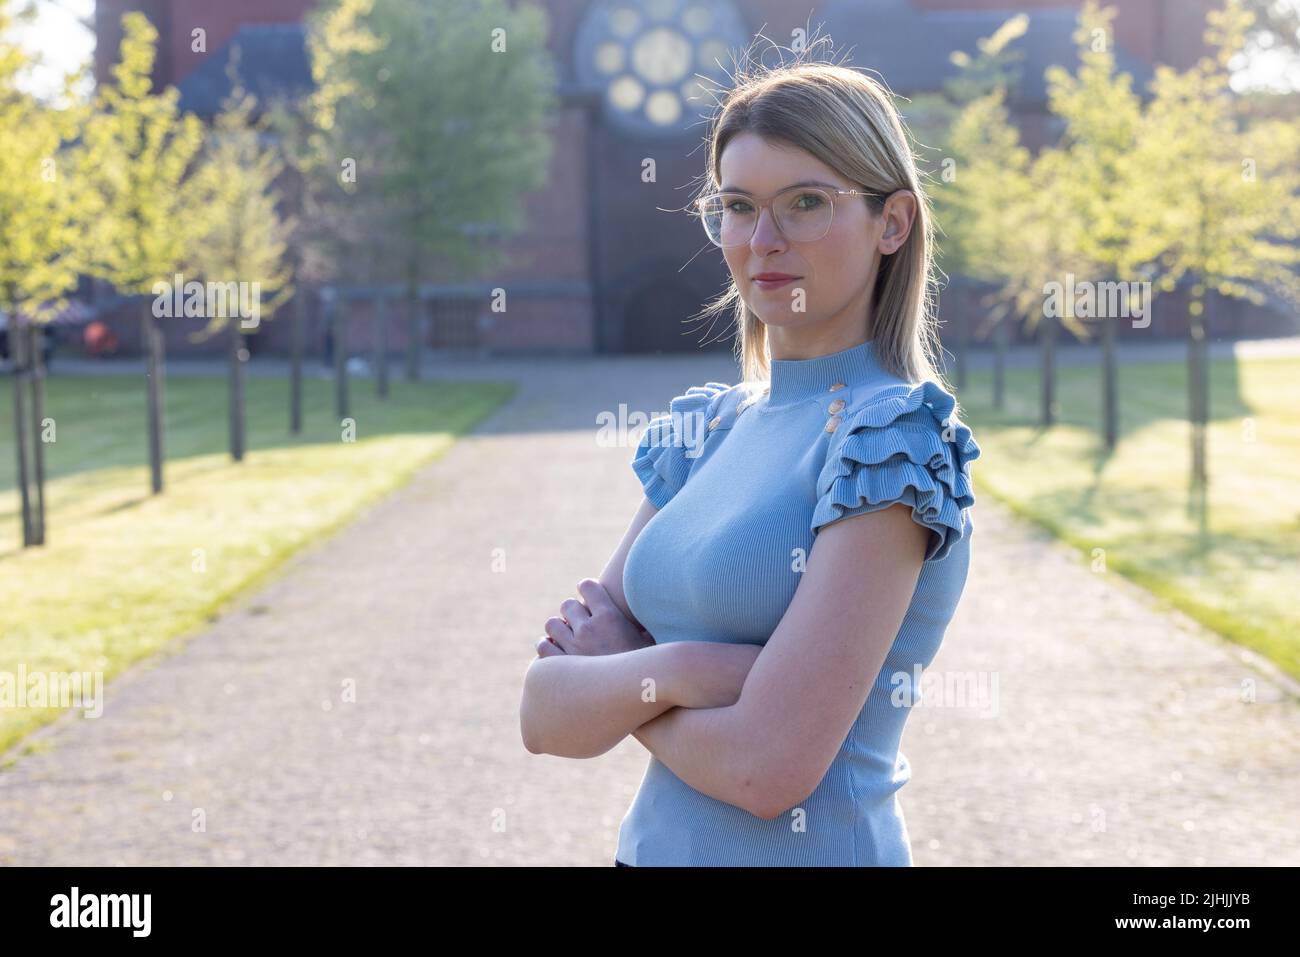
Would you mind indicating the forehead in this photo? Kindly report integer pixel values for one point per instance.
(753, 164)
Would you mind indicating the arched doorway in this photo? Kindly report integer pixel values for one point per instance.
(660, 311)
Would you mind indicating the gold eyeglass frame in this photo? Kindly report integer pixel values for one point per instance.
(767, 203)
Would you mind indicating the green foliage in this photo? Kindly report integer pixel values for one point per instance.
(323, 229)
(442, 108)
(982, 193)
(1226, 192)
(995, 68)
(243, 236)
(137, 156)
(336, 37)
(1037, 245)
(1101, 114)
(40, 208)
(1192, 183)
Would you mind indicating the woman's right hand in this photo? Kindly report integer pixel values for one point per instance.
(594, 625)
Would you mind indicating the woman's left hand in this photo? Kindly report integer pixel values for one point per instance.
(596, 627)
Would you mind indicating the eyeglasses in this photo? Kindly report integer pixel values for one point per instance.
(802, 213)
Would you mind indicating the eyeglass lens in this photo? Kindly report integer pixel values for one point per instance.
(803, 214)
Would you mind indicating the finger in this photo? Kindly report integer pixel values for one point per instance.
(596, 597)
(560, 632)
(546, 647)
(574, 611)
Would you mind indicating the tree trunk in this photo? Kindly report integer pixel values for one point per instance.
(381, 346)
(1109, 381)
(17, 344)
(237, 355)
(1003, 341)
(295, 360)
(1198, 379)
(413, 333)
(151, 341)
(37, 366)
(335, 314)
(1048, 338)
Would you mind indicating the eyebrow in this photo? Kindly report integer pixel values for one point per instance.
(807, 182)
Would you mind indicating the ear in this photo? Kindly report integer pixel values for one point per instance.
(899, 213)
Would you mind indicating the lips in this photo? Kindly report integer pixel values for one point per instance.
(773, 280)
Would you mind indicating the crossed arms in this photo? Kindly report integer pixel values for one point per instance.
(753, 727)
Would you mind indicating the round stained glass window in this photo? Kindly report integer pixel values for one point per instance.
(655, 60)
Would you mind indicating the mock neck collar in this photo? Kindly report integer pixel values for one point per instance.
(794, 380)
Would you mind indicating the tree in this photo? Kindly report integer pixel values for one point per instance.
(314, 250)
(40, 214)
(444, 117)
(306, 129)
(1228, 199)
(1039, 253)
(996, 66)
(1101, 114)
(244, 239)
(985, 198)
(137, 159)
(980, 172)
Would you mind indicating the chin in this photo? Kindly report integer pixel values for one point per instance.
(784, 318)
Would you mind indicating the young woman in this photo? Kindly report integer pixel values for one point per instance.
(805, 534)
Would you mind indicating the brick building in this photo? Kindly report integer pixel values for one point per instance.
(604, 268)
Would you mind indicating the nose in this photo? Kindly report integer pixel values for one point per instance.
(767, 236)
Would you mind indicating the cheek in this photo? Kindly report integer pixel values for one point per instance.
(735, 258)
(845, 260)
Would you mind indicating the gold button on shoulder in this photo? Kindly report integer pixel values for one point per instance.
(837, 405)
(834, 421)
(717, 419)
(836, 387)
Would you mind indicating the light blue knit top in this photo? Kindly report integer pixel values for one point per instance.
(743, 476)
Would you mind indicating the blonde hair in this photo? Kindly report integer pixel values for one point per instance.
(847, 120)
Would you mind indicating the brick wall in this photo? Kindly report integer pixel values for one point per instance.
(175, 19)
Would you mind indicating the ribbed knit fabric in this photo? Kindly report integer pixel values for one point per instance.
(743, 477)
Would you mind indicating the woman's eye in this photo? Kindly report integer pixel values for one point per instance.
(813, 197)
(738, 202)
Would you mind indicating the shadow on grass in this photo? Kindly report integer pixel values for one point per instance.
(1147, 394)
(100, 422)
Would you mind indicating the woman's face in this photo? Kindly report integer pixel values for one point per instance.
(837, 272)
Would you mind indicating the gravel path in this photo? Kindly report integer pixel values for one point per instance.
(1122, 736)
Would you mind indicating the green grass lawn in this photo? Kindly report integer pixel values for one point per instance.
(1233, 564)
(124, 572)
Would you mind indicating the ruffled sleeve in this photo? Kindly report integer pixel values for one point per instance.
(672, 442)
(903, 444)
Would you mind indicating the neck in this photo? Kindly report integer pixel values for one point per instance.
(794, 380)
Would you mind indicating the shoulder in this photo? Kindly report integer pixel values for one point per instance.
(673, 441)
(924, 407)
(694, 413)
(900, 442)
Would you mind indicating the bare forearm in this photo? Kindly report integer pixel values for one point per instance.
(583, 706)
(707, 749)
(577, 706)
